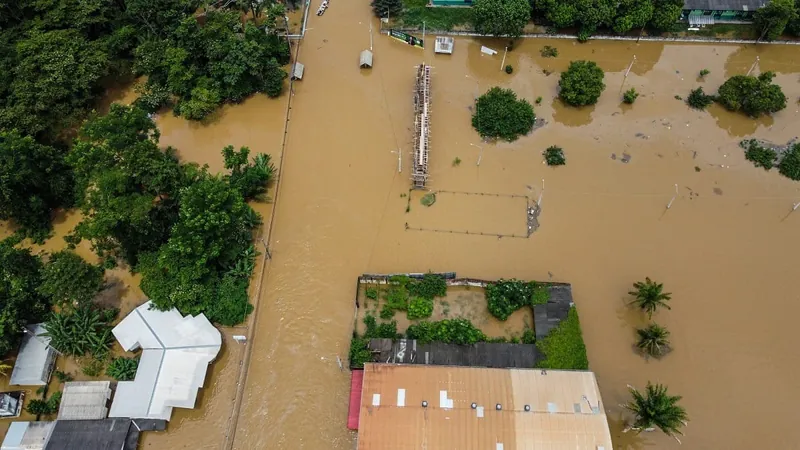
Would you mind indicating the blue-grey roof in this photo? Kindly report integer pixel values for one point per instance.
(35, 359)
(724, 5)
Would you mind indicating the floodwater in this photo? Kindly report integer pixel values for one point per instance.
(724, 247)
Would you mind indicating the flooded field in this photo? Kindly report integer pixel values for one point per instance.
(725, 246)
(460, 302)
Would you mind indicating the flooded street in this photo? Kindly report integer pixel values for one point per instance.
(725, 246)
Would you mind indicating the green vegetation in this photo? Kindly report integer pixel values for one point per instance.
(428, 199)
(759, 155)
(431, 285)
(528, 336)
(359, 353)
(501, 17)
(499, 115)
(504, 297)
(509, 69)
(753, 96)
(699, 100)
(539, 100)
(704, 72)
(630, 96)
(790, 163)
(419, 308)
(34, 182)
(771, 20)
(83, 330)
(456, 161)
(563, 347)
(653, 340)
(63, 377)
(548, 52)
(581, 84)
(251, 179)
(656, 409)
(620, 16)
(93, 366)
(123, 369)
(69, 280)
(22, 303)
(415, 12)
(554, 156)
(387, 8)
(649, 296)
(451, 331)
(371, 293)
(44, 407)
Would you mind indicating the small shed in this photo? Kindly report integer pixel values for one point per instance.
(365, 61)
(11, 403)
(297, 71)
(444, 44)
(35, 360)
(85, 400)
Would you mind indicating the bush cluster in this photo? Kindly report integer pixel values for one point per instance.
(699, 100)
(504, 297)
(450, 331)
(500, 115)
(790, 164)
(123, 369)
(554, 156)
(630, 96)
(419, 308)
(581, 84)
(752, 95)
(44, 407)
(759, 155)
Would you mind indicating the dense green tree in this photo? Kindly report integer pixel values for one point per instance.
(656, 409)
(586, 14)
(501, 17)
(633, 14)
(649, 296)
(793, 27)
(384, 8)
(127, 185)
(698, 99)
(581, 84)
(69, 280)
(34, 180)
(218, 61)
(772, 19)
(22, 304)
(158, 18)
(250, 178)
(665, 14)
(500, 115)
(752, 95)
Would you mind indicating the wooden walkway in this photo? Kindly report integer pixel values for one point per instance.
(422, 100)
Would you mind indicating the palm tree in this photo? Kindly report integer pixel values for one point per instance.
(656, 409)
(649, 296)
(653, 340)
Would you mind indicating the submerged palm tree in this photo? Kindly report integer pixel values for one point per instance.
(653, 340)
(656, 409)
(649, 295)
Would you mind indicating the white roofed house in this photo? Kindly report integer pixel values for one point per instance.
(176, 352)
(35, 359)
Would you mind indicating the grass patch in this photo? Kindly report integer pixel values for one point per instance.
(563, 347)
(726, 30)
(415, 12)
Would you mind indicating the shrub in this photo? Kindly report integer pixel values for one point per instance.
(790, 164)
(123, 369)
(359, 353)
(63, 377)
(419, 308)
(698, 99)
(456, 161)
(653, 340)
(581, 84)
(548, 52)
(85, 330)
(554, 156)
(387, 312)
(630, 96)
(93, 367)
(760, 156)
(752, 95)
(371, 293)
(540, 296)
(386, 330)
(704, 72)
(451, 331)
(539, 100)
(499, 115)
(529, 336)
(397, 297)
(563, 347)
(509, 69)
(504, 297)
(431, 285)
(44, 407)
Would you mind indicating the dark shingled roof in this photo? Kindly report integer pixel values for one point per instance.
(483, 354)
(724, 5)
(548, 316)
(106, 434)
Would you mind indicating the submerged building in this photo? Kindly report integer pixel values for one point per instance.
(35, 360)
(444, 407)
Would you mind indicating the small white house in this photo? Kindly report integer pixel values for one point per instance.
(35, 360)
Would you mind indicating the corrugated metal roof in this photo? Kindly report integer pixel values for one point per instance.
(724, 5)
(564, 409)
(483, 354)
(84, 400)
(444, 44)
(108, 434)
(365, 60)
(35, 359)
(356, 381)
(297, 71)
(173, 365)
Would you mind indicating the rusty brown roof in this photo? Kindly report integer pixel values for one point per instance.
(565, 409)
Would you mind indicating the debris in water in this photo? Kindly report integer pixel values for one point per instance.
(614, 156)
(626, 158)
(718, 191)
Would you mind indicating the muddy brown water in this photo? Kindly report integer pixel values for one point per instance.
(727, 259)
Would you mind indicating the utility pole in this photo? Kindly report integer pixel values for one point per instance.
(503, 63)
(669, 205)
(480, 154)
(423, 35)
(370, 35)
(630, 66)
(539, 201)
(753, 66)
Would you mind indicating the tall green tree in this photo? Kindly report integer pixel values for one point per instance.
(250, 179)
(500, 115)
(501, 17)
(665, 14)
(387, 8)
(127, 186)
(581, 84)
(586, 14)
(633, 14)
(22, 304)
(771, 20)
(649, 296)
(69, 280)
(656, 409)
(754, 96)
(34, 180)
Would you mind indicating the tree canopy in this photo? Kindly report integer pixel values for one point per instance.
(771, 20)
(69, 280)
(581, 84)
(752, 95)
(35, 180)
(621, 16)
(501, 17)
(384, 8)
(22, 304)
(500, 115)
